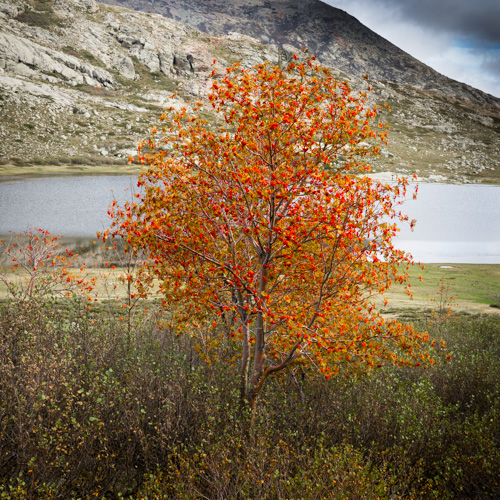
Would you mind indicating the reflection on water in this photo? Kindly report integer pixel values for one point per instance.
(455, 223)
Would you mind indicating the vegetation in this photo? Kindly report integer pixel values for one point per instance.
(88, 412)
(264, 231)
(97, 401)
(44, 18)
(41, 267)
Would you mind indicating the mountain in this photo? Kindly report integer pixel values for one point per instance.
(81, 83)
(335, 37)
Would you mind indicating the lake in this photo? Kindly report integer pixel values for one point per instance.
(456, 223)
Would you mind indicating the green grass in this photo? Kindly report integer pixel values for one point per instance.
(473, 288)
(478, 283)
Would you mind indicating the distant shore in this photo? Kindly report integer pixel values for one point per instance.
(35, 170)
(126, 169)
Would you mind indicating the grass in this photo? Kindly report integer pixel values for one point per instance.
(478, 283)
(472, 287)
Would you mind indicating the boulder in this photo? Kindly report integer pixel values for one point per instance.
(89, 6)
(125, 67)
(9, 9)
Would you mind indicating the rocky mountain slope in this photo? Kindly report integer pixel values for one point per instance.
(81, 83)
(338, 39)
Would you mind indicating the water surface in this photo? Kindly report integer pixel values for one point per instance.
(455, 223)
(63, 204)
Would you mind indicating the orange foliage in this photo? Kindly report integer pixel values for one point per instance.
(265, 230)
(42, 267)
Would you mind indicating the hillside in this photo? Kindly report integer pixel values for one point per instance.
(338, 39)
(81, 82)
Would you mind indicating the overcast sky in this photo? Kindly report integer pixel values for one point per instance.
(458, 38)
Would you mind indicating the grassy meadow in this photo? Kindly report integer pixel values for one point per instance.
(95, 403)
(468, 288)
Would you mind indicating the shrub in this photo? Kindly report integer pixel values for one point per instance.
(86, 410)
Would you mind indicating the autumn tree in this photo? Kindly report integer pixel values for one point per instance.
(266, 231)
(39, 266)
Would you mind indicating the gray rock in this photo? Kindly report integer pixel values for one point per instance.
(10, 9)
(79, 109)
(166, 62)
(14, 50)
(125, 67)
(149, 58)
(89, 6)
(23, 70)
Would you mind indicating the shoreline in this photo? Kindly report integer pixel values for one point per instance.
(43, 170)
(431, 179)
(8, 171)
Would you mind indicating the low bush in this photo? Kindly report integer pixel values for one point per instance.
(40, 19)
(87, 411)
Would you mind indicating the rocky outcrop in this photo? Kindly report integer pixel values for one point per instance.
(96, 82)
(87, 5)
(24, 57)
(9, 8)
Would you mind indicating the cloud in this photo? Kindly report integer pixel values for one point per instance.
(491, 62)
(478, 20)
(476, 67)
(458, 38)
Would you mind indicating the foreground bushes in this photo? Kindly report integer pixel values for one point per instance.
(86, 412)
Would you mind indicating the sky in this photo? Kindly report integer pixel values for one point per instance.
(458, 38)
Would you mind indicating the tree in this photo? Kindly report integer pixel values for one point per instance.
(264, 230)
(126, 270)
(41, 267)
